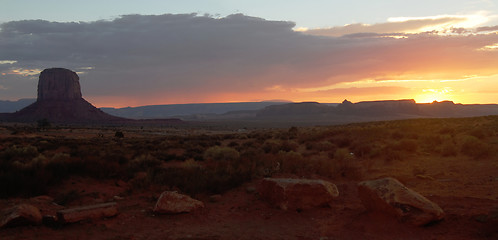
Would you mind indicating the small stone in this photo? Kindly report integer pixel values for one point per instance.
(251, 189)
(118, 198)
(215, 198)
(50, 221)
(42, 199)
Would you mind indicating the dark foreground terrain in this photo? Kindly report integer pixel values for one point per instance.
(452, 162)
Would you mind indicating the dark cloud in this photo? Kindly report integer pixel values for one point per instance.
(160, 58)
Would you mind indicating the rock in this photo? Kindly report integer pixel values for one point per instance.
(97, 211)
(60, 100)
(50, 221)
(250, 189)
(58, 84)
(215, 198)
(42, 199)
(489, 223)
(173, 202)
(20, 215)
(389, 196)
(297, 194)
(117, 198)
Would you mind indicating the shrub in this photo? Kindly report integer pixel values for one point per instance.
(448, 149)
(407, 145)
(20, 153)
(391, 154)
(288, 146)
(342, 142)
(221, 153)
(447, 130)
(222, 170)
(271, 146)
(293, 132)
(362, 149)
(473, 147)
(290, 162)
(322, 146)
(119, 134)
(233, 144)
(479, 132)
(43, 124)
(397, 135)
(58, 167)
(345, 165)
(431, 143)
(143, 163)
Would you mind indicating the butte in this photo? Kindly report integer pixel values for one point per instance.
(60, 101)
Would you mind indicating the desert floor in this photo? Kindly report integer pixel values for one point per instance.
(466, 189)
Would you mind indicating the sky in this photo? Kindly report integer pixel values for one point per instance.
(133, 53)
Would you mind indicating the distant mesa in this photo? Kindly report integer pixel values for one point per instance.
(295, 109)
(60, 100)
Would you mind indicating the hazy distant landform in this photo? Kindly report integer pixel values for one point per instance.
(304, 113)
(7, 106)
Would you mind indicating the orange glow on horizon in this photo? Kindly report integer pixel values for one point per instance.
(469, 90)
(422, 98)
(431, 95)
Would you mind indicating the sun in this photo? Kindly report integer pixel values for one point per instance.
(431, 95)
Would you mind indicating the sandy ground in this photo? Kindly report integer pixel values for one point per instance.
(240, 214)
(466, 190)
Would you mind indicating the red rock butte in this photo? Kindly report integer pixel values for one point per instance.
(58, 84)
(60, 100)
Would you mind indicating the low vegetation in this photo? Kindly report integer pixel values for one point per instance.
(214, 163)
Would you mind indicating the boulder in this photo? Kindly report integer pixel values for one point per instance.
(297, 194)
(72, 215)
(388, 195)
(173, 202)
(20, 215)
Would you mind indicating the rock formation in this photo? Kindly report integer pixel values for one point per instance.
(173, 202)
(297, 194)
(73, 215)
(20, 215)
(60, 100)
(389, 196)
(58, 84)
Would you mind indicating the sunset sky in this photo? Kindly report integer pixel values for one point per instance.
(132, 53)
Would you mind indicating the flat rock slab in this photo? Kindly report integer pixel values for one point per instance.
(97, 211)
(389, 196)
(172, 202)
(20, 215)
(297, 194)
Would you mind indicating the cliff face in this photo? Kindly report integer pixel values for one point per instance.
(58, 84)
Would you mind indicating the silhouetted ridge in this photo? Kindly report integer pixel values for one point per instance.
(408, 106)
(60, 100)
(303, 108)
